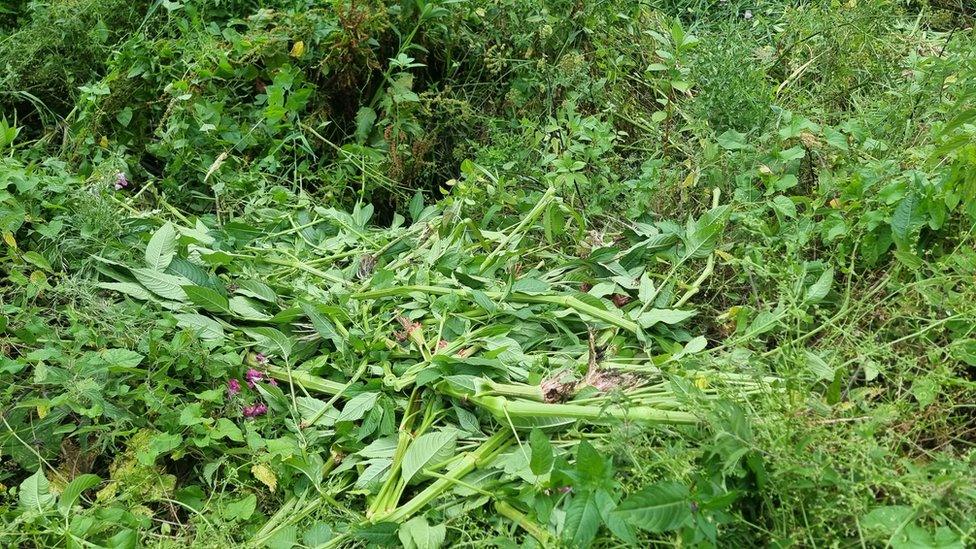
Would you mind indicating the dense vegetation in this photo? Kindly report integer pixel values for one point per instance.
(488, 273)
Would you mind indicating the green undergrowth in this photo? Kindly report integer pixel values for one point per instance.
(488, 273)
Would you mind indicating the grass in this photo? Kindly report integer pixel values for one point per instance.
(488, 274)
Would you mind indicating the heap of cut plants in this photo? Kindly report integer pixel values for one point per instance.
(418, 371)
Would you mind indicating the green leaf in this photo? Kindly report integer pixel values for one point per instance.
(701, 236)
(542, 454)
(162, 284)
(312, 408)
(257, 290)
(382, 534)
(246, 309)
(322, 325)
(205, 327)
(417, 534)
(606, 503)
(74, 489)
(582, 520)
(887, 520)
(271, 340)
(317, 534)
(37, 260)
(428, 450)
(818, 366)
(905, 219)
(227, 428)
(416, 206)
(34, 493)
(667, 316)
(365, 118)
(819, 289)
(127, 538)
(530, 286)
(206, 298)
(161, 248)
(241, 509)
(357, 407)
(130, 289)
(591, 464)
(123, 358)
(732, 140)
(657, 508)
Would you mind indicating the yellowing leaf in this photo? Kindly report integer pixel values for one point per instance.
(103, 142)
(42, 410)
(298, 49)
(264, 473)
(8, 237)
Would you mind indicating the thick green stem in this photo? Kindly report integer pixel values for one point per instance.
(562, 300)
(536, 531)
(488, 449)
(529, 218)
(308, 381)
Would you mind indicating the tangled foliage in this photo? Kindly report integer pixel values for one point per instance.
(496, 272)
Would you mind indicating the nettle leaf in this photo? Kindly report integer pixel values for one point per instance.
(205, 327)
(657, 508)
(162, 284)
(161, 248)
(426, 451)
(582, 520)
(35, 493)
(74, 490)
(542, 454)
(121, 358)
(819, 290)
(416, 533)
(591, 465)
(207, 299)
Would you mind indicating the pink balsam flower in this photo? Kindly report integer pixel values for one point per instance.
(255, 410)
(233, 387)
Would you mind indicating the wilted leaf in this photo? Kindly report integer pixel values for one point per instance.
(264, 473)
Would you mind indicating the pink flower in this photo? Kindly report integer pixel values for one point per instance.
(261, 359)
(255, 410)
(121, 181)
(233, 387)
(252, 376)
